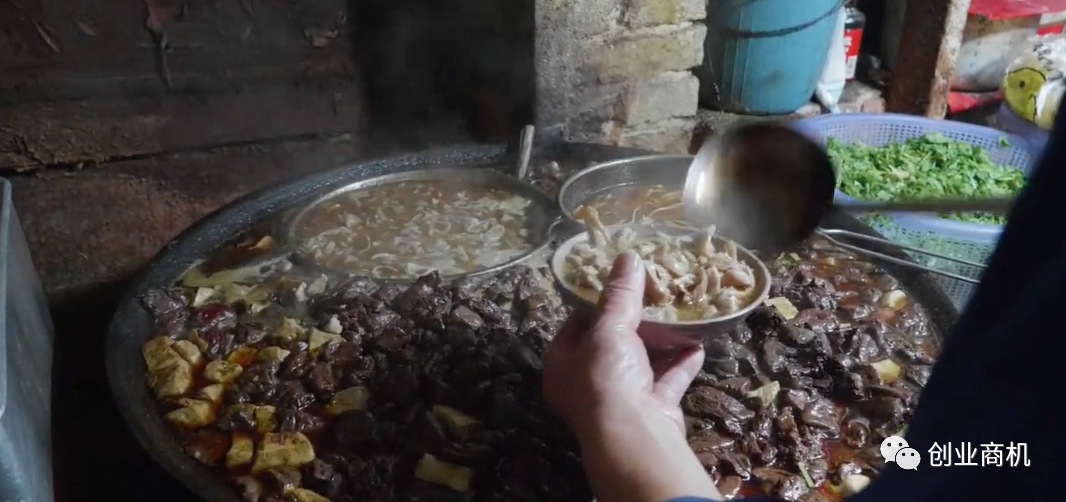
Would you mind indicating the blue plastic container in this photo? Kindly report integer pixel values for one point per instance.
(764, 57)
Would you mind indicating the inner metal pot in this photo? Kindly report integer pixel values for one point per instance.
(646, 170)
(541, 216)
(132, 326)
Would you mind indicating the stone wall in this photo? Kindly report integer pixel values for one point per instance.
(619, 71)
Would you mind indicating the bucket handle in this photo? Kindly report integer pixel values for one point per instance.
(782, 31)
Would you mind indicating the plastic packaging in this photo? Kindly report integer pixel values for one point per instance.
(1052, 23)
(987, 46)
(834, 74)
(25, 368)
(1033, 84)
(854, 25)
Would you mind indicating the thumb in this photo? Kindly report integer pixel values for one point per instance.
(675, 380)
(622, 301)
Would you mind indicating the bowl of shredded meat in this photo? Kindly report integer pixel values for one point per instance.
(697, 284)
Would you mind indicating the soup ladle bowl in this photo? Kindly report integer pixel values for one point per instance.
(769, 186)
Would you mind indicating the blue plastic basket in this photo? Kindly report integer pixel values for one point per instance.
(958, 239)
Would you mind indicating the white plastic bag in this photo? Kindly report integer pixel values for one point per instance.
(835, 73)
(1035, 81)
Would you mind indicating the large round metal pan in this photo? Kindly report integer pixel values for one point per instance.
(131, 325)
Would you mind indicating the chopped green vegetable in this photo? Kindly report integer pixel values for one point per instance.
(929, 166)
(806, 475)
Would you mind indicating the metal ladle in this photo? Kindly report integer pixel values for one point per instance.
(769, 186)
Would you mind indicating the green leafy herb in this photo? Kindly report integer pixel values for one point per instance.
(929, 166)
(806, 475)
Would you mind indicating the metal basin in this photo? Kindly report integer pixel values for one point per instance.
(542, 214)
(132, 326)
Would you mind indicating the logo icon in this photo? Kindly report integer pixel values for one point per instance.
(908, 458)
(892, 445)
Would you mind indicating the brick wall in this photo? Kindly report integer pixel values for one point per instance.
(619, 71)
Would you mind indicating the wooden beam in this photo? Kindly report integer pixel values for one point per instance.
(41, 134)
(929, 46)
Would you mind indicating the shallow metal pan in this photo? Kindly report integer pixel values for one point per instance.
(543, 214)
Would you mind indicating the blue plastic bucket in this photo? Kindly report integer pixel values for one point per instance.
(764, 57)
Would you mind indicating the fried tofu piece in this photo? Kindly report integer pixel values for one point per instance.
(432, 470)
(333, 325)
(272, 353)
(211, 393)
(241, 450)
(457, 422)
(188, 351)
(290, 329)
(350, 399)
(220, 371)
(242, 356)
(283, 449)
(193, 414)
(783, 306)
(159, 355)
(172, 381)
(305, 495)
(318, 339)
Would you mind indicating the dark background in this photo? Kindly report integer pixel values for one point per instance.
(111, 156)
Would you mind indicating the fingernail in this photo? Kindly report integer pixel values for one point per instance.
(625, 265)
(621, 301)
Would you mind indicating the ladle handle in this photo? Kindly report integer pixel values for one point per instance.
(525, 151)
(992, 205)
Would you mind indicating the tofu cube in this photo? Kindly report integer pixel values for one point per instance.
(172, 381)
(241, 450)
(785, 307)
(193, 414)
(212, 393)
(242, 356)
(432, 470)
(350, 399)
(272, 353)
(188, 351)
(290, 329)
(305, 495)
(318, 339)
(220, 371)
(457, 422)
(281, 449)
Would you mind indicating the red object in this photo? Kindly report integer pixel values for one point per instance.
(852, 42)
(853, 26)
(1007, 9)
(962, 101)
(1050, 29)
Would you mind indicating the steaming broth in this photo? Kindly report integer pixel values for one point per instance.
(408, 229)
(640, 204)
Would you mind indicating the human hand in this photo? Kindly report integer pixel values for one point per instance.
(597, 370)
(623, 404)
